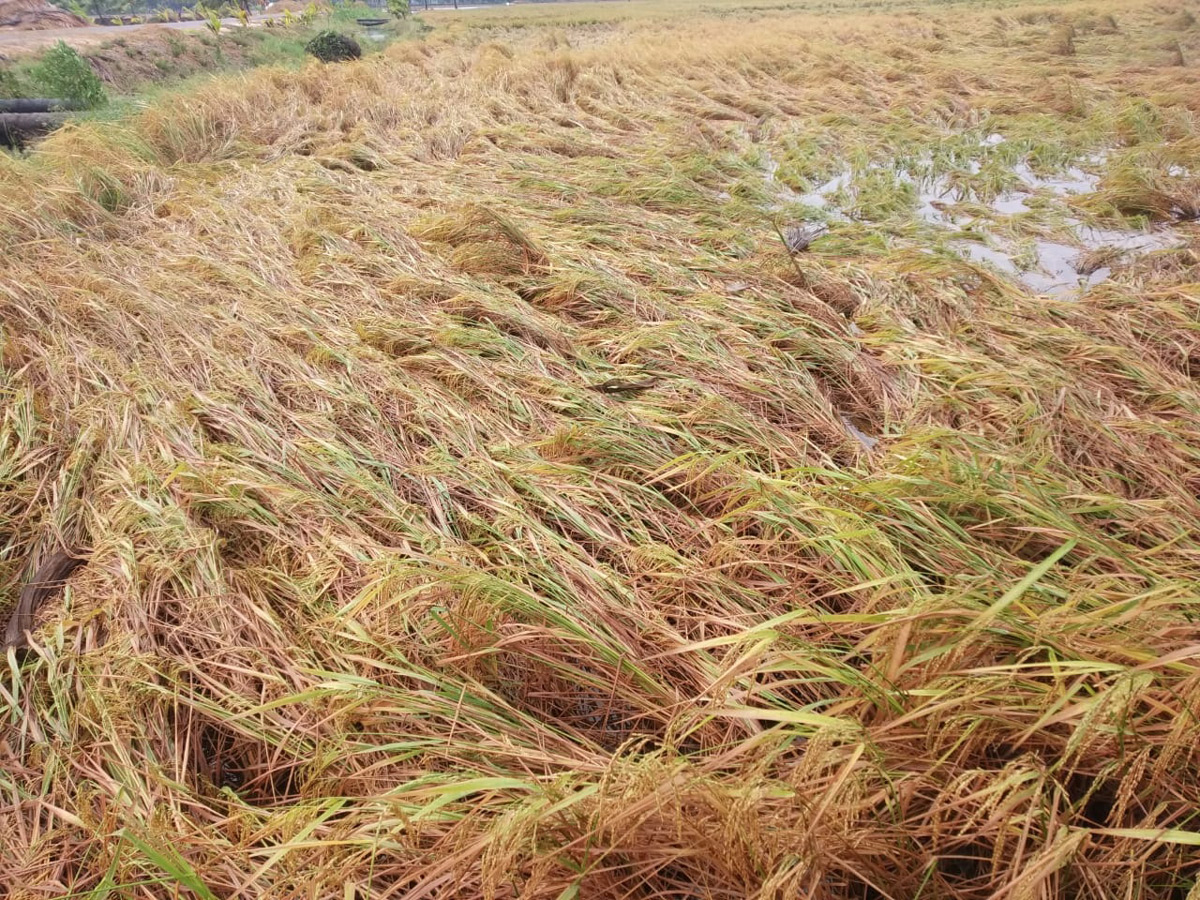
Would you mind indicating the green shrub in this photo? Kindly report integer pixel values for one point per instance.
(12, 85)
(400, 9)
(64, 73)
(329, 46)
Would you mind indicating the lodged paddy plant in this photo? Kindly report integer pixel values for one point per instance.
(460, 481)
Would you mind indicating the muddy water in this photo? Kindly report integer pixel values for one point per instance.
(819, 196)
(1073, 181)
(1064, 268)
(1057, 268)
(984, 254)
(1116, 239)
(868, 442)
(1010, 204)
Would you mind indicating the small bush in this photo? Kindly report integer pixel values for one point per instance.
(64, 73)
(11, 85)
(329, 46)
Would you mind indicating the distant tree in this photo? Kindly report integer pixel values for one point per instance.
(95, 9)
(73, 6)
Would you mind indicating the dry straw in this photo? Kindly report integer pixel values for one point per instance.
(884, 586)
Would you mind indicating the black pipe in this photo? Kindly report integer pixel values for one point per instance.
(35, 105)
(15, 128)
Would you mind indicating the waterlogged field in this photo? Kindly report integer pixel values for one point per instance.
(486, 493)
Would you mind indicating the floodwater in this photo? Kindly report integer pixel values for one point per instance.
(1073, 181)
(819, 196)
(1057, 270)
(982, 253)
(934, 198)
(1057, 267)
(1010, 204)
(868, 442)
(1064, 268)
(1116, 239)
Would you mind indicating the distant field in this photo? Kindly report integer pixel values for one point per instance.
(616, 450)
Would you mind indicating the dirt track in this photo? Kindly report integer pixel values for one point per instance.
(15, 41)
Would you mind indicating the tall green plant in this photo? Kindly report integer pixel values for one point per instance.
(64, 74)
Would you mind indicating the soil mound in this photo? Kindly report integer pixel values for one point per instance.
(36, 15)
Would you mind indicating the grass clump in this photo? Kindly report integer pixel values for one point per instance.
(1062, 41)
(331, 46)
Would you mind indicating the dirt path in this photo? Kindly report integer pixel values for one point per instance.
(14, 42)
